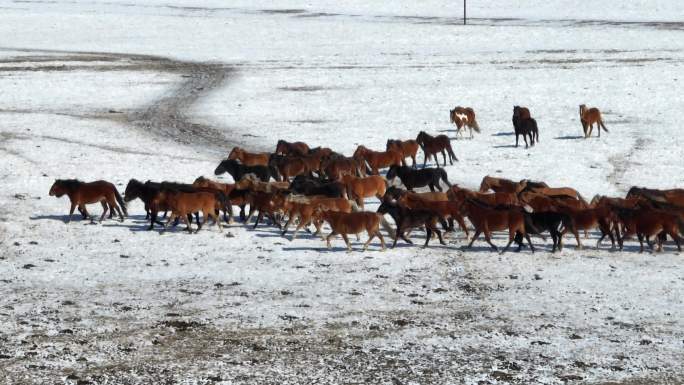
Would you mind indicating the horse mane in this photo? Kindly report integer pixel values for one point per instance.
(69, 184)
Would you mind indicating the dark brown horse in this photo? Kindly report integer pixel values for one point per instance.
(407, 219)
(646, 223)
(449, 210)
(82, 193)
(407, 148)
(291, 148)
(524, 125)
(673, 196)
(432, 145)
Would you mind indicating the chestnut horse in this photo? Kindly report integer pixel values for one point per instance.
(502, 185)
(303, 210)
(673, 196)
(486, 218)
(351, 223)
(291, 166)
(407, 148)
(183, 204)
(334, 167)
(294, 148)
(82, 193)
(646, 223)
(590, 218)
(589, 116)
(464, 117)
(249, 158)
(378, 159)
(360, 188)
(432, 145)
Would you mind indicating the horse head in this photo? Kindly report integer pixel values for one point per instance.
(235, 153)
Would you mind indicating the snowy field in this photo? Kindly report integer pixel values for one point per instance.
(162, 90)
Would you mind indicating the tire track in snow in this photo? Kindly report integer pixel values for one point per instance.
(623, 162)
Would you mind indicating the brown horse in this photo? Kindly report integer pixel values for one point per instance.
(486, 218)
(407, 148)
(646, 223)
(589, 116)
(446, 209)
(291, 148)
(464, 117)
(183, 204)
(351, 223)
(249, 158)
(397, 193)
(360, 188)
(541, 202)
(81, 194)
(303, 210)
(432, 145)
(500, 185)
(378, 159)
(459, 194)
(225, 188)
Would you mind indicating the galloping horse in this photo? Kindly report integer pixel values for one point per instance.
(406, 148)
(81, 194)
(432, 145)
(486, 218)
(249, 158)
(589, 116)
(464, 117)
(524, 125)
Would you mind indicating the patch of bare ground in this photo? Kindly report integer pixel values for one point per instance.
(166, 117)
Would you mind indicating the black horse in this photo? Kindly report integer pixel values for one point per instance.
(238, 170)
(547, 221)
(407, 219)
(302, 184)
(525, 126)
(419, 178)
(148, 193)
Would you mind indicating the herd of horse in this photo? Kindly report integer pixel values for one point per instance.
(313, 186)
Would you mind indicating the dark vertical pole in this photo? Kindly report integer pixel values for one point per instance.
(464, 12)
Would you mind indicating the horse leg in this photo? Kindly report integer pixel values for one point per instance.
(439, 235)
(511, 236)
(346, 240)
(370, 237)
(641, 242)
(172, 217)
(217, 219)
(444, 156)
(71, 212)
(527, 236)
(516, 138)
(413, 157)
(105, 207)
(475, 236)
(259, 217)
(428, 234)
(432, 187)
(287, 224)
(488, 238)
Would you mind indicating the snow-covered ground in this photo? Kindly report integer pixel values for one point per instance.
(116, 90)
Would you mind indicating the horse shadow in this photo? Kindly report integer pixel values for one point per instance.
(504, 146)
(503, 133)
(569, 137)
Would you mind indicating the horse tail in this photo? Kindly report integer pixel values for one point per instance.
(120, 200)
(451, 151)
(474, 125)
(600, 122)
(529, 224)
(443, 175)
